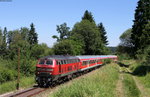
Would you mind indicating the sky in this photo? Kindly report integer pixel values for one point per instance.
(116, 16)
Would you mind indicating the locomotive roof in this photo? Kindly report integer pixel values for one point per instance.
(60, 57)
(94, 56)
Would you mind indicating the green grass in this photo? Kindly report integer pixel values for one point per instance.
(99, 83)
(145, 80)
(129, 86)
(11, 85)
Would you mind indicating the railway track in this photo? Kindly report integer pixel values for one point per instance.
(26, 93)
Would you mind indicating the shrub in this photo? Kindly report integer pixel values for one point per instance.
(7, 75)
(106, 61)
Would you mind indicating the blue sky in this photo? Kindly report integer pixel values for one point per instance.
(116, 15)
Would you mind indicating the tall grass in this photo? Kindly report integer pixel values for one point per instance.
(11, 85)
(99, 83)
(145, 80)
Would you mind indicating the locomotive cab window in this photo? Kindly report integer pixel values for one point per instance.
(42, 61)
(49, 62)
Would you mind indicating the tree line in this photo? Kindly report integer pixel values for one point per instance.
(27, 40)
(135, 41)
(85, 38)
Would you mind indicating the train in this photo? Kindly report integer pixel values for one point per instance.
(56, 68)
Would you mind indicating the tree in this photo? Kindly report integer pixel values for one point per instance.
(1, 37)
(125, 45)
(139, 34)
(64, 32)
(64, 47)
(102, 33)
(126, 38)
(13, 37)
(87, 34)
(33, 37)
(88, 16)
(4, 38)
(3, 47)
(24, 33)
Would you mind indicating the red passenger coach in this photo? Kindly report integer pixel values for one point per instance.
(52, 69)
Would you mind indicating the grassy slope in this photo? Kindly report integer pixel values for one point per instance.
(99, 83)
(144, 80)
(11, 85)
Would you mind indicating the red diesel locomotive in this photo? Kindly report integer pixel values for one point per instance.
(52, 69)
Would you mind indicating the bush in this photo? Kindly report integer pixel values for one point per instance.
(7, 75)
(106, 61)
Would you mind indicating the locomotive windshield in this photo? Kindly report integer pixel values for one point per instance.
(45, 62)
(42, 61)
(49, 62)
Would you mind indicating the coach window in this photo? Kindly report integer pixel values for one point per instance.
(62, 62)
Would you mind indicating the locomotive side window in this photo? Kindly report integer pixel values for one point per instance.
(49, 62)
(42, 61)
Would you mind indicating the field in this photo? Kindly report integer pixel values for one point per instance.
(111, 80)
(25, 82)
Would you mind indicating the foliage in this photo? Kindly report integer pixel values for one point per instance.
(3, 46)
(88, 36)
(106, 61)
(33, 37)
(102, 33)
(1, 37)
(7, 74)
(11, 85)
(30, 51)
(112, 50)
(84, 39)
(88, 16)
(40, 50)
(64, 32)
(67, 47)
(126, 38)
(140, 32)
(126, 46)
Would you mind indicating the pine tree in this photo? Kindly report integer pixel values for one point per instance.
(3, 47)
(4, 38)
(32, 37)
(1, 37)
(139, 34)
(88, 16)
(102, 32)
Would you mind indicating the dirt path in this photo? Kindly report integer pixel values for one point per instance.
(119, 86)
(119, 89)
(144, 91)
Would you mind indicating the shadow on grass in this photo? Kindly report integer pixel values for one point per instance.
(140, 70)
(123, 65)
